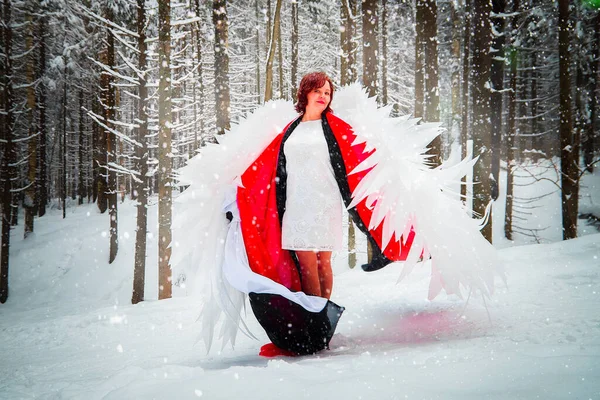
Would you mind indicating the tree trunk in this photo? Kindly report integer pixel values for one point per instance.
(294, 72)
(466, 70)
(81, 186)
(271, 54)
(63, 175)
(221, 65)
(346, 36)
(568, 146)
(200, 86)
(432, 96)
(534, 104)
(101, 140)
(29, 202)
(348, 43)
(141, 184)
(591, 142)
(384, 85)
(344, 42)
(111, 147)
(269, 27)
(497, 81)
(42, 182)
(482, 140)
(280, 57)
(353, 44)
(522, 140)
(164, 133)
(454, 16)
(9, 152)
(511, 126)
(420, 59)
(370, 46)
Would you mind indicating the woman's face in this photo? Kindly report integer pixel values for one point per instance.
(318, 99)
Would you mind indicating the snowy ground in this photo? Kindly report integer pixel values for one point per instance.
(69, 332)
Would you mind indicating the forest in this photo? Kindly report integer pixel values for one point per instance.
(103, 100)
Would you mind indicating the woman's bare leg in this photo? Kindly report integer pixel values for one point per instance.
(325, 273)
(310, 272)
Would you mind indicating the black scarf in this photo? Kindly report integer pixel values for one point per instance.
(378, 259)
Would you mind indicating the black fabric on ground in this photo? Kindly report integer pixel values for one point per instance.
(293, 328)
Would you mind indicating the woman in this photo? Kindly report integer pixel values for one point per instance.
(290, 209)
(312, 221)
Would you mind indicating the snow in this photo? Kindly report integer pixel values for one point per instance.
(68, 330)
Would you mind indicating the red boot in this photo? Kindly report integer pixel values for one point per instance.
(270, 350)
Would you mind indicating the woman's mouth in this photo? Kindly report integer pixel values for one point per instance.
(320, 102)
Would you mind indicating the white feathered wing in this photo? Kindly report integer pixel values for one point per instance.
(404, 192)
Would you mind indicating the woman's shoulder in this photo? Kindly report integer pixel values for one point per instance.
(334, 119)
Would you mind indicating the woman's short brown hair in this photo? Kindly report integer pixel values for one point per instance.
(309, 82)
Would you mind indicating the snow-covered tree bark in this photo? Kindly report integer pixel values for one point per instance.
(455, 79)
(141, 184)
(370, 45)
(221, 65)
(497, 82)
(164, 149)
(420, 59)
(592, 137)
(511, 125)
(111, 143)
(432, 96)
(294, 39)
(29, 201)
(41, 69)
(384, 53)
(274, 36)
(569, 149)
(348, 64)
(466, 79)
(199, 88)
(481, 111)
(63, 148)
(8, 155)
(81, 186)
(347, 75)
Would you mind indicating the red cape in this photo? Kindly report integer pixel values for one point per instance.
(260, 222)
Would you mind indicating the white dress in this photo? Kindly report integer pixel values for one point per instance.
(313, 208)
